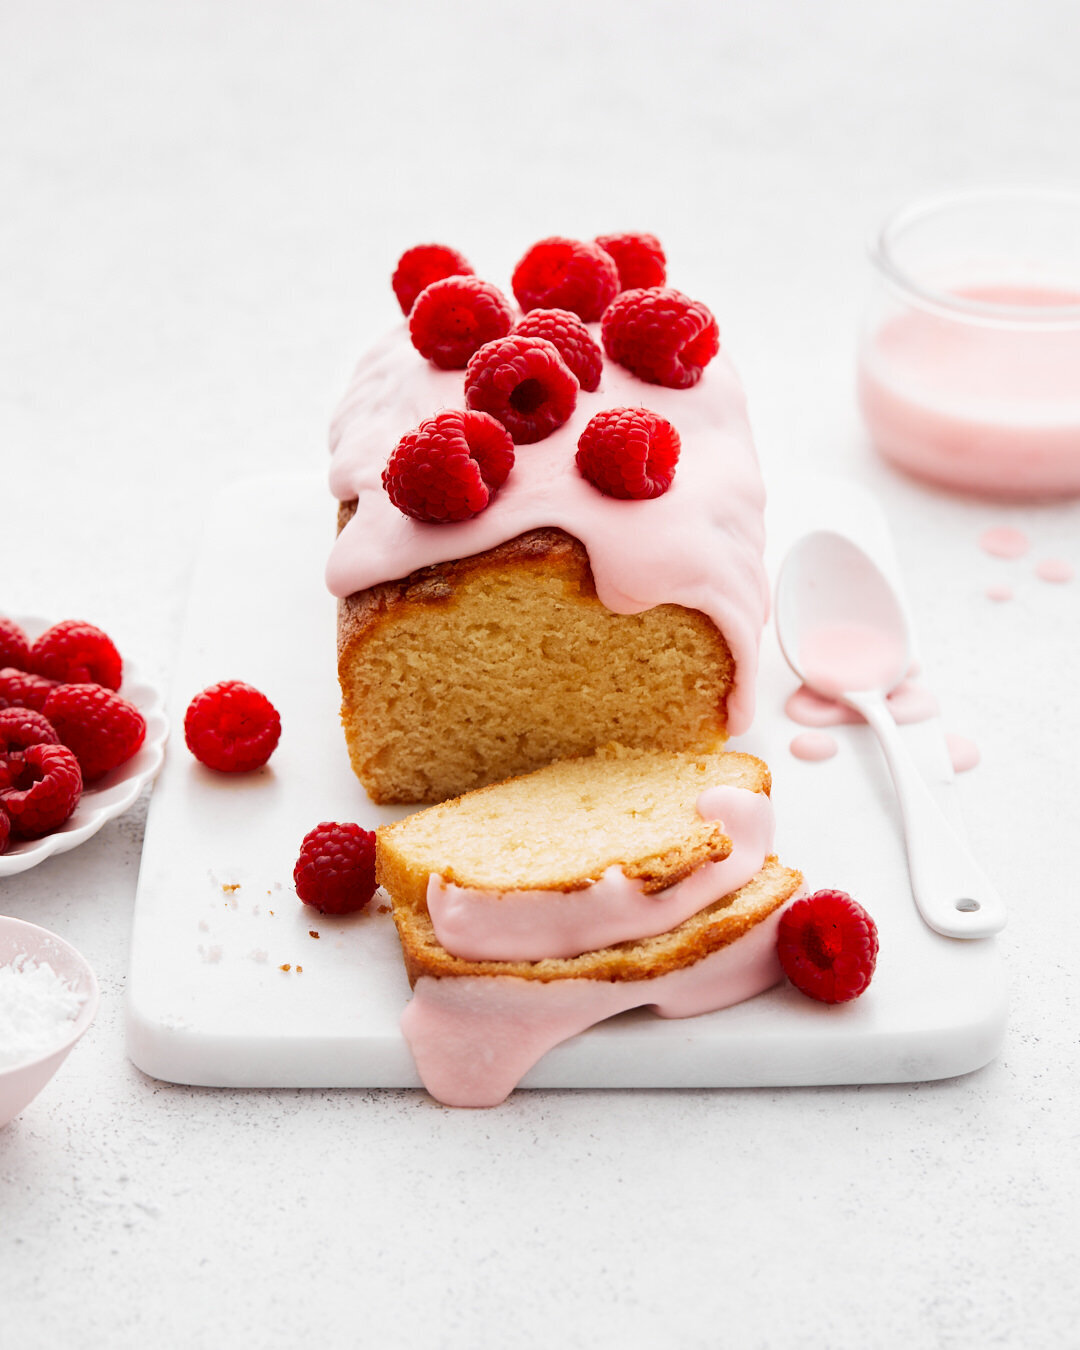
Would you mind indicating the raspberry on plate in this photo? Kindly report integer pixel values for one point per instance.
(562, 273)
(5, 826)
(828, 946)
(44, 792)
(14, 645)
(454, 317)
(660, 336)
(23, 689)
(335, 871)
(418, 267)
(575, 343)
(231, 727)
(21, 728)
(639, 258)
(75, 652)
(525, 383)
(450, 467)
(629, 453)
(99, 727)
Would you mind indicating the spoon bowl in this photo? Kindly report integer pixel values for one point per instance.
(843, 631)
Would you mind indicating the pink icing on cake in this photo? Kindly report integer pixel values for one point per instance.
(699, 545)
(481, 925)
(474, 1038)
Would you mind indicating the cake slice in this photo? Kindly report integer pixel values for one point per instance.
(531, 909)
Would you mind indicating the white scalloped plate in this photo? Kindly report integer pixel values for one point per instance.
(110, 796)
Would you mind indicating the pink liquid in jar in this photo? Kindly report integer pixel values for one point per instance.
(985, 407)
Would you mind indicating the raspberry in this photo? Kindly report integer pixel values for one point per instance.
(828, 946)
(77, 653)
(45, 790)
(452, 318)
(14, 645)
(231, 727)
(629, 453)
(335, 871)
(566, 274)
(450, 467)
(660, 336)
(101, 729)
(525, 383)
(418, 267)
(639, 258)
(19, 729)
(5, 827)
(22, 689)
(574, 342)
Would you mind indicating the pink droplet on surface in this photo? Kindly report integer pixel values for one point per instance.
(1004, 542)
(1054, 569)
(964, 753)
(813, 746)
(999, 593)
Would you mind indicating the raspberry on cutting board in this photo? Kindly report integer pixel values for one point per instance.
(828, 946)
(335, 871)
(231, 727)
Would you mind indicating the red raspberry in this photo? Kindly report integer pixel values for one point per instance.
(525, 383)
(573, 340)
(639, 258)
(450, 467)
(5, 827)
(418, 267)
(452, 318)
(561, 273)
(335, 871)
(629, 453)
(14, 645)
(101, 729)
(19, 729)
(45, 790)
(828, 946)
(231, 727)
(77, 653)
(22, 689)
(661, 336)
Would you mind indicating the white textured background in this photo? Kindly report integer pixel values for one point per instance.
(200, 206)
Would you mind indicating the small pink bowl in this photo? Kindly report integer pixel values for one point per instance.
(21, 1083)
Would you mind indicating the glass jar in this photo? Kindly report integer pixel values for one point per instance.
(969, 354)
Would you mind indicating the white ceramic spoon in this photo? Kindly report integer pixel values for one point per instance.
(843, 632)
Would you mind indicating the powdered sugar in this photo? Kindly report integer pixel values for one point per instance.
(37, 1008)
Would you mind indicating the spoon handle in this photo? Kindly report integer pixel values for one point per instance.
(952, 892)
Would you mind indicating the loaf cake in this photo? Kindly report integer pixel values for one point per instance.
(531, 909)
(557, 619)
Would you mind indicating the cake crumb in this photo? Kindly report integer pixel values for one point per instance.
(229, 887)
(312, 933)
(286, 966)
(299, 970)
(383, 909)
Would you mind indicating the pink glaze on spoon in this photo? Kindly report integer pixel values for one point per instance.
(1004, 542)
(963, 752)
(813, 746)
(1056, 570)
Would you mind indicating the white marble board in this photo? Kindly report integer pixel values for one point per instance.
(216, 917)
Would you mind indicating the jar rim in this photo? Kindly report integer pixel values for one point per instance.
(948, 303)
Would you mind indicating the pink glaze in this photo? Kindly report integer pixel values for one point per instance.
(1004, 542)
(846, 657)
(993, 410)
(814, 746)
(474, 1038)
(1054, 569)
(963, 753)
(999, 593)
(908, 703)
(699, 545)
(531, 925)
